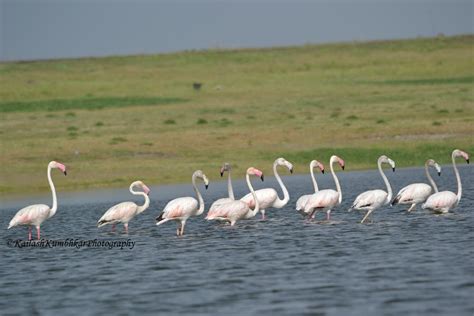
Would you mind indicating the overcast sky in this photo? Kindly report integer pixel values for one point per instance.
(41, 29)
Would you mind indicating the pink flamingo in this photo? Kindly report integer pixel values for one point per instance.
(181, 209)
(125, 211)
(35, 215)
(215, 205)
(301, 202)
(418, 192)
(444, 201)
(374, 199)
(326, 200)
(269, 197)
(232, 211)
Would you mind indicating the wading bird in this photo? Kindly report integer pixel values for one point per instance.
(35, 215)
(230, 190)
(416, 193)
(182, 208)
(373, 199)
(232, 211)
(326, 200)
(125, 211)
(301, 202)
(443, 201)
(269, 197)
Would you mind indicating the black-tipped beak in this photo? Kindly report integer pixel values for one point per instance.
(343, 167)
(467, 160)
(207, 186)
(291, 170)
(393, 169)
(439, 173)
(65, 172)
(222, 174)
(261, 177)
(322, 171)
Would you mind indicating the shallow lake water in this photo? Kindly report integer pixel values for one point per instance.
(416, 263)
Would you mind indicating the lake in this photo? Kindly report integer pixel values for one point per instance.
(416, 263)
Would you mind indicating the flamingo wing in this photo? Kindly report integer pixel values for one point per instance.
(322, 199)
(232, 210)
(31, 215)
(441, 201)
(369, 199)
(121, 212)
(266, 198)
(413, 193)
(180, 207)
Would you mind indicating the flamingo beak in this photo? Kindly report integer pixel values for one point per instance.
(222, 174)
(439, 173)
(322, 171)
(393, 169)
(467, 160)
(342, 167)
(65, 172)
(291, 170)
(261, 177)
(207, 186)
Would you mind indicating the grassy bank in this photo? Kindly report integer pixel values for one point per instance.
(116, 119)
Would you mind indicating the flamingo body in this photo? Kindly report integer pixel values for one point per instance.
(120, 213)
(441, 201)
(370, 200)
(231, 211)
(413, 194)
(266, 198)
(323, 200)
(33, 215)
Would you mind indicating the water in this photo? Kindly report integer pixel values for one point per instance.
(44, 29)
(415, 263)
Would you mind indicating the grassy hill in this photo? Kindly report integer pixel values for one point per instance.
(116, 119)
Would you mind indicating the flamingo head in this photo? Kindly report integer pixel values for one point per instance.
(317, 164)
(385, 159)
(284, 162)
(225, 167)
(339, 160)
(142, 186)
(255, 172)
(432, 163)
(460, 153)
(58, 165)
(199, 174)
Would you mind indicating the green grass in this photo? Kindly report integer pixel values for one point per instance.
(83, 104)
(117, 119)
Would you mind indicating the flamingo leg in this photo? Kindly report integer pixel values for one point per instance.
(263, 214)
(177, 230)
(126, 227)
(182, 228)
(328, 215)
(29, 232)
(365, 217)
(38, 233)
(411, 207)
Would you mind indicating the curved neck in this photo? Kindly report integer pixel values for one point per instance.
(257, 205)
(336, 180)
(387, 184)
(199, 196)
(229, 187)
(315, 184)
(430, 179)
(286, 197)
(147, 200)
(54, 208)
(458, 178)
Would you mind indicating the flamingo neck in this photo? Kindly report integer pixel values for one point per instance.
(199, 196)
(286, 197)
(145, 196)
(313, 178)
(430, 179)
(257, 205)
(336, 180)
(229, 187)
(387, 184)
(54, 208)
(458, 177)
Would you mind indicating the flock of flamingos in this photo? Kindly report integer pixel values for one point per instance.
(231, 210)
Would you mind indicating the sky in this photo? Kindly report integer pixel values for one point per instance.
(45, 29)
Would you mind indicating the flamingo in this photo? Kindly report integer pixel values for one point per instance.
(35, 215)
(444, 201)
(225, 167)
(125, 211)
(418, 192)
(232, 211)
(182, 208)
(300, 203)
(269, 197)
(373, 199)
(326, 200)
